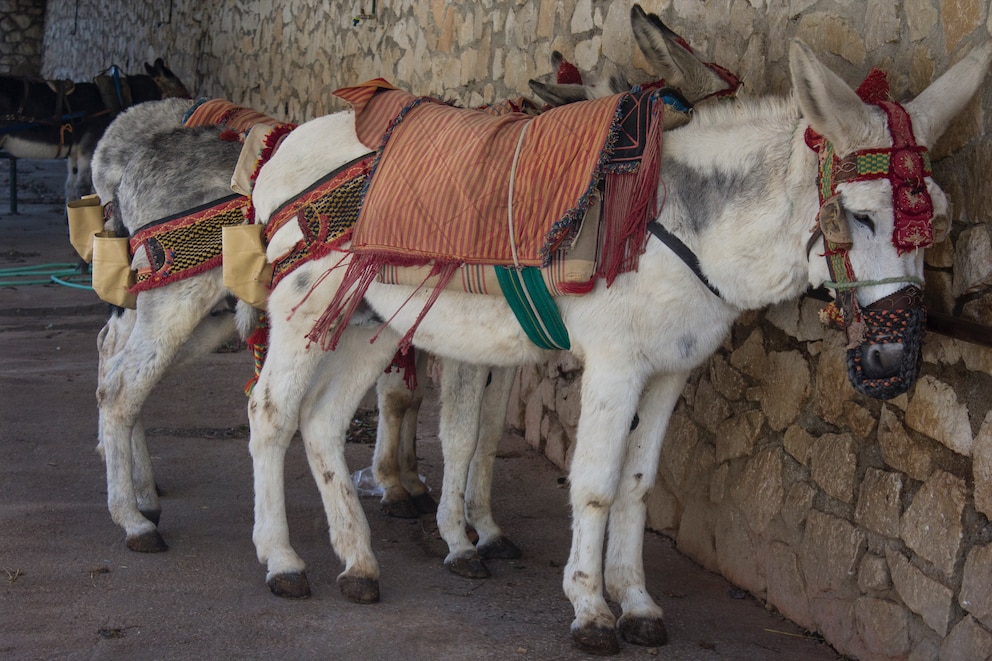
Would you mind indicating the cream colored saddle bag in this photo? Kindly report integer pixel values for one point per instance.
(85, 220)
(246, 271)
(112, 274)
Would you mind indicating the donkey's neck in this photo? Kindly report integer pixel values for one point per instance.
(739, 189)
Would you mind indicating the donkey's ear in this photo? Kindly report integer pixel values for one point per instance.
(671, 59)
(651, 37)
(936, 106)
(557, 94)
(149, 69)
(611, 81)
(831, 107)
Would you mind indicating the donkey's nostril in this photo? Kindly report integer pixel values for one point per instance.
(880, 361)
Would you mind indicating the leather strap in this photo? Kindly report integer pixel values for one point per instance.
(682, 251)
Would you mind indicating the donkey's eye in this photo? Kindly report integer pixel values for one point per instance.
(864, 220)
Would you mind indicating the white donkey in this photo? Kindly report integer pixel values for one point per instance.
(741, 193)
(151, 168)
(469, 468)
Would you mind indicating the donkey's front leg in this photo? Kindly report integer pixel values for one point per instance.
(609, 401)
(493, 544)
(462, 386)
(641, 622)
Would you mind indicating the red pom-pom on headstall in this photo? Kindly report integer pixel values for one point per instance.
(874, 89)
(568, 74)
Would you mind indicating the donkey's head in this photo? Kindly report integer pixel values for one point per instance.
(879, 207)
(167, 82)
(671, 59)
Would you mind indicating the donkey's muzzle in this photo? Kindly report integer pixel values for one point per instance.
(887, 363)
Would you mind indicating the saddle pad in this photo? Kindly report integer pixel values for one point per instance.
(545, 170)
(212, 112)
(571, 272)
(115, 92)
(551, 163)
(259, 134)
(185, 244)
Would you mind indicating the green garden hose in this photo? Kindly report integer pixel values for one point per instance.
(66, 274)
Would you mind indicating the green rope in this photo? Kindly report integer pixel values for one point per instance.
(44, 274)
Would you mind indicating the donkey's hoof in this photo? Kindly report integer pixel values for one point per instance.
(359, 590)
(646, 631)
(425, 503)
(149, 542)
(468, 567)
(500, 548)
(597, 640)
(400, 509)
(152, 515)
(292, 585)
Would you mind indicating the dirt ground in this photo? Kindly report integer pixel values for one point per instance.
(70, 589)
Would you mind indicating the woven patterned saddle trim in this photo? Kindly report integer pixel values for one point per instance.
(185, 244)
(325, 212)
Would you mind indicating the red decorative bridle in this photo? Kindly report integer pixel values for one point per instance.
(897, 318)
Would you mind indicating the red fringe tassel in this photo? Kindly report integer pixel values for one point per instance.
(631, 201)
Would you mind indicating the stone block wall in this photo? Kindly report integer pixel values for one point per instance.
(22, 28)
(866, 521)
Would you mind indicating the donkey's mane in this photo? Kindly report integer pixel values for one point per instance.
(757, 111)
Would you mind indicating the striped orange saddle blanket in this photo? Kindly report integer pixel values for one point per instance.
(451, 189)
(463, 186)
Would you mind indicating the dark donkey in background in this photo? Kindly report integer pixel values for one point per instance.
(42, 119)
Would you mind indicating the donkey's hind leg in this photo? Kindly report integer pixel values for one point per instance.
(346, 376)
(409, 473)
(110, 341)
(395, 461)
(166, 318)
(273, 414)
(462, 386)
(318, 391)
(493, 544)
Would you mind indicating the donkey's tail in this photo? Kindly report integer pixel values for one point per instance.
(248, 319)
